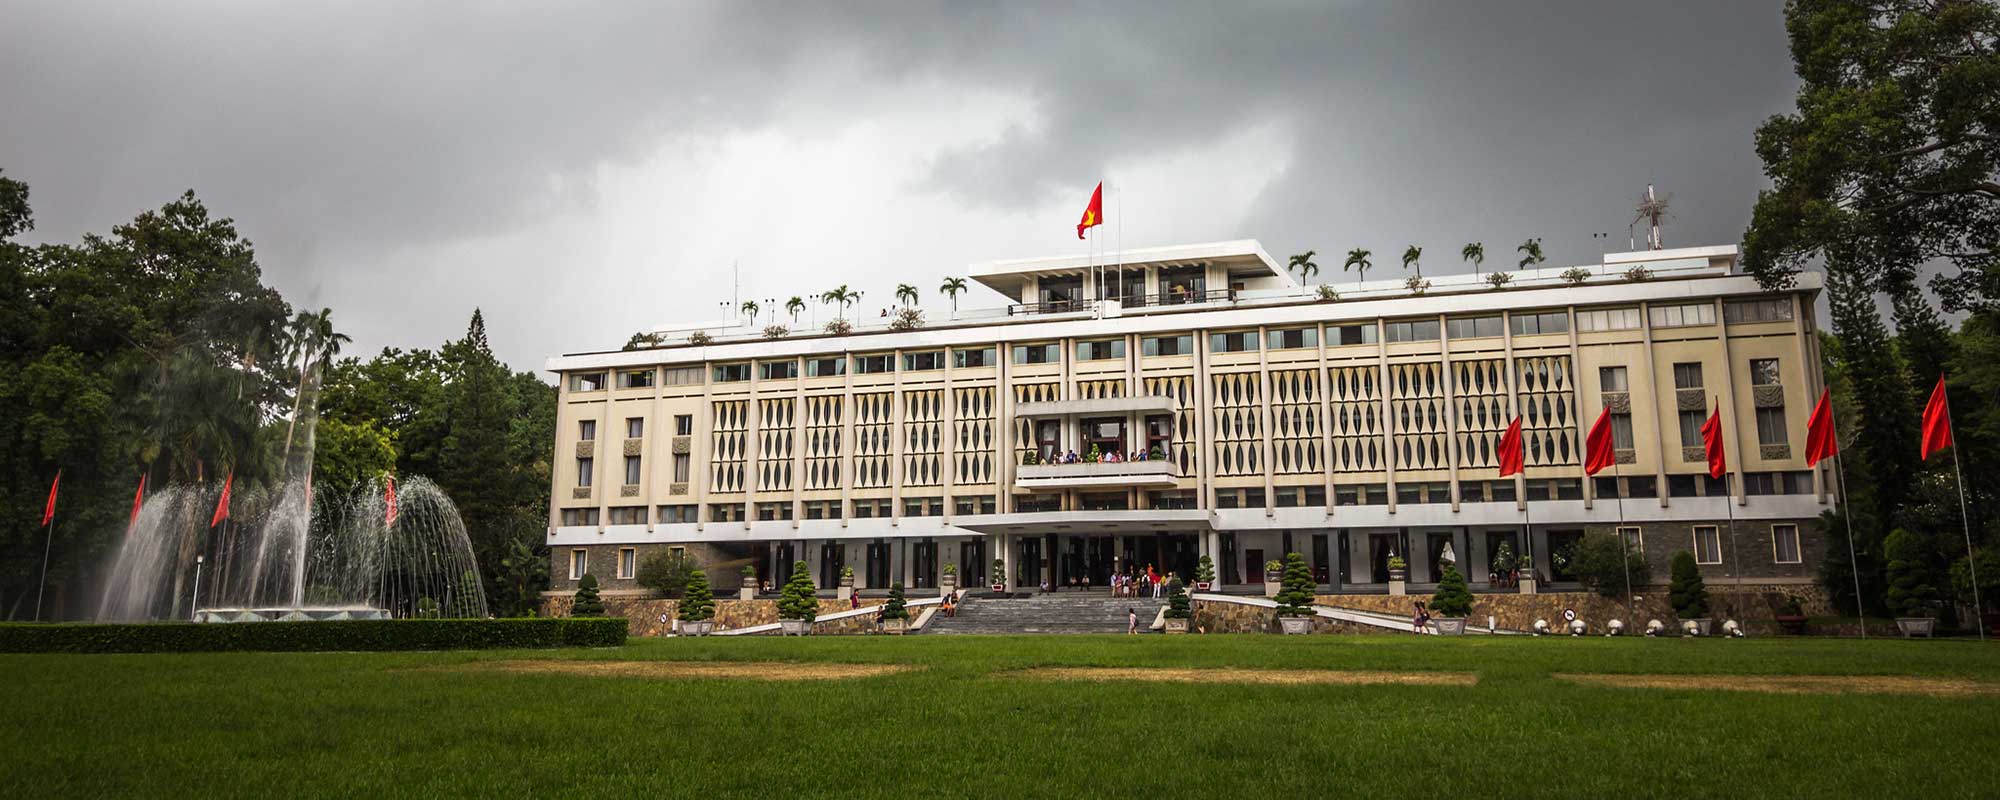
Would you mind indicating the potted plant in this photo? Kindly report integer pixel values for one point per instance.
(1399, 570)
(1327, 294)
(1204, 574)
(1688, 593)
(1503, 561)
(1452, 603)
(1179, 610)
(798, 606)
(896, 614)
(697, 609)
(748, 590)
(1031, 459)
(846, 589)
(1295, 602)
(1575, 276)
(949, 580)
(1274, 575)
(1912, 596)
(999, 575)
(1791, 618)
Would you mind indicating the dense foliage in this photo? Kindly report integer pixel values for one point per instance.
(1204, 570)
(1178, 606)
(898, 607)
(397, 634)
(1453, 597)
(1686, 592)
(1295, 597)
(798, 600)
(698, 603)
(667, 573)
(1604, 564)
(587, 602)
(1912, 591)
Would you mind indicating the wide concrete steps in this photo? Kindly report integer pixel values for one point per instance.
(1045, 614)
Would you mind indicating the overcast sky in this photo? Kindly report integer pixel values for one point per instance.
(583, 171)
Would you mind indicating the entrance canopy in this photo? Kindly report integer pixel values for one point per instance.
(1091, 522)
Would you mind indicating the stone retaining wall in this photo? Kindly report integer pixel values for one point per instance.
(1749, 605)
(643, 613)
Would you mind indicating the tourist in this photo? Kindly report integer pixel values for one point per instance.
(1422, 618)
(1111, 457)
(1117, 585)
(1131, 620)
(950, 608)
(853, 599)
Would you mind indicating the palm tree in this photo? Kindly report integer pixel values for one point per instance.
(1532, 250)
(1357, 259)
(794, 306)
(312, 341)
(1303, 264)
(749, 309)
(950, 288)
(906, 294)
(1410, 257)
(1475, 253)
(840, 296)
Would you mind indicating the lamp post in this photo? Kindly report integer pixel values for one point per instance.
(195, 601)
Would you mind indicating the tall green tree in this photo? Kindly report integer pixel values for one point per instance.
(474, 455)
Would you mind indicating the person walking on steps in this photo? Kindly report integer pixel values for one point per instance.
(1131, 620)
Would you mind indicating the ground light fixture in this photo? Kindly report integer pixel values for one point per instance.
(1731, 629)
(1576, 627)
(1655, 627)
(1614, 627)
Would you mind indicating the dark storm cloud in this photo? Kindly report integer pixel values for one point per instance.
(339, 134)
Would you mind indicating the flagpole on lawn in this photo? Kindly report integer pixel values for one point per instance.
(1853, 560)
(48, 539)
(1618, 495)
(1965, 517)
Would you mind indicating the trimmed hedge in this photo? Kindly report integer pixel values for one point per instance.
(342, 635)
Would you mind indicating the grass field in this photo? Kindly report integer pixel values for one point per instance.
(965, 721)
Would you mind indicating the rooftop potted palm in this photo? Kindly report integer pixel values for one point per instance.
(896, 613)
(1295, 602)
(1179, 610)
(1204, 574)
(1452, 603)
(697, 609)
(1912, 595)
(798, 606)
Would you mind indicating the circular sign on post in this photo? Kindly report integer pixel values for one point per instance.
(663, 619)
(1569, 614)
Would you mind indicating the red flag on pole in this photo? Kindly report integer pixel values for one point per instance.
(1093, 214)
(222, 504)
(1598, 452)
(389, 499)
(1711, 441)
(1937, 421)
(1511, 456)
(1821, 444)
(49, 511)
(138, 500)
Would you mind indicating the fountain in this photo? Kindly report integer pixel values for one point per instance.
(286, 554)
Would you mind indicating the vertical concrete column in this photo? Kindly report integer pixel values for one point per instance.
(1662, 414)
(1004, 545)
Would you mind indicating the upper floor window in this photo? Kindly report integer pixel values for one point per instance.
(1542, 322)
(683, 424)
(1045, 353)
(1763, 372)
(587, 382)
(963, 357)
(825, 367)
(1469, 327)
(1608, 319)
(682, 376)
(873, 364)
(635, 427)
(1100, 350)
(586, 429)
(1233, 342)
(777, 370)
(1613, 379)
(725, 373)
(635, 379)
(929, 359)
(1681, 316)
(1167, 346)
(1292, 339)
(1776, 309)
(1363, 333)
(1687, 375)
(1414, 330)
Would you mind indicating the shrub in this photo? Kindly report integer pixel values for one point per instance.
(951, 569)
(1687, 593)
(1416, 285)
(1204, 570)
(587, 603)
(907, 319)
(1911, 592)
(1597, 559)
(897, 607)
(1989, 577)
(999, 571)
(1178, 606)
(1327, 294)
(1503, 558)
(1453, 598)
(347, 635)
(776, 332)
(798, 600)
(839, 327)
(1397, 562)
(1637, 274)
(1575, 276)
(698, 603)
(666, 574)
(699, 338)
(1295, 599)
(1032, 458)
(1093, 455)
(1499, 280)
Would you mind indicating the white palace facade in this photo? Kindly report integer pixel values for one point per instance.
(1250, 416)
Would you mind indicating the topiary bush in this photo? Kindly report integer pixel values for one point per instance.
(330, 636)
(1296, 597)
(897, 607)
(1687, 593)
(1912, 592)
(1204, 570)
(798, 600)
(999, 571)
(1178, 606)
(1453, 598)
(698, 601)
(587, 603)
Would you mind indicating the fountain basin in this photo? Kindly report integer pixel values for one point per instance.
(304, 614)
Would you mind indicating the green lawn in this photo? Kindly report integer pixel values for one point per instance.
(378, 724)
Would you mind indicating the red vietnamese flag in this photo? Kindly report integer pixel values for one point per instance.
(1093, 214)
(1937, 421)
(1511, 457)
(1821, 444)
(1711, 441)
(138, 500)
(389, 499)
(222, 504)
(1597, 450)
(49, 511)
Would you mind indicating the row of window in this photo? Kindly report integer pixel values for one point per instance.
(1754, 483)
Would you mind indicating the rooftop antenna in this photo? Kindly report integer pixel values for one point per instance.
(1652, 209)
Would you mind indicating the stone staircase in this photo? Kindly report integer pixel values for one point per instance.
(1045, 613)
